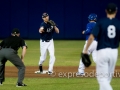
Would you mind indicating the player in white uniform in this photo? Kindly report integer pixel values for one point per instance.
(46, 43)
(107, 32)
(92, 18)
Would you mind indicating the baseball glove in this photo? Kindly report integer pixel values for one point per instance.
(52, 22)
(86, 59)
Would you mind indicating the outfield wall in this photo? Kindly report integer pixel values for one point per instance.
(70, 16)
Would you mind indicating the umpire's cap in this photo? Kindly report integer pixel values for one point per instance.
(44, 15)
(111, 8)
(15, 31)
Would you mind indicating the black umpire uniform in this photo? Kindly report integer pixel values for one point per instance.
(9, 48)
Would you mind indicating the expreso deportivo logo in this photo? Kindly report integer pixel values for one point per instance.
(86, 74)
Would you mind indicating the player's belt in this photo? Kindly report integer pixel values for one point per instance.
(45, 40)
(6, 47)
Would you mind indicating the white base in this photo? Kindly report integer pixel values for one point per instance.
(44, 72)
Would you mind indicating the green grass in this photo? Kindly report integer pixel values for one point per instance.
(67, 54)
(58, 84)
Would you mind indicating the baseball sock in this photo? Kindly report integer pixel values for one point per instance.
(40, 68)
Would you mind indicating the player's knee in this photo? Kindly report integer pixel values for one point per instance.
(42, 58)
(102, 80)
(41, 62)
(52, 57)
(22, 68)
(94, 59)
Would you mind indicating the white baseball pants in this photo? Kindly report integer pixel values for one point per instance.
(105, 65)
(91, 49)
(44, 47)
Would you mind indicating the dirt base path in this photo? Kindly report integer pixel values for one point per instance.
(59, 71)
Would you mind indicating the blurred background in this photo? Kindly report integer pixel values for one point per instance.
(69, 15)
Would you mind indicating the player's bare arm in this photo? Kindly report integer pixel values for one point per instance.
(83, 32)
(41, 30)
(23, 53)
(90, 40)
(56, 29)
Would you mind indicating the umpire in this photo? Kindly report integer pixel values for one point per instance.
(9, 48)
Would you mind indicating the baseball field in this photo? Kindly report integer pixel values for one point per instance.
(67, 53)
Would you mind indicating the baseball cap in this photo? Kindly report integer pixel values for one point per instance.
(44, 15)
(111, 7)
(15, 31)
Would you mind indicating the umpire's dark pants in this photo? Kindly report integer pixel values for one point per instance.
(11, 55)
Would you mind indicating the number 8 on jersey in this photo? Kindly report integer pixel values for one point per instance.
(111, 31)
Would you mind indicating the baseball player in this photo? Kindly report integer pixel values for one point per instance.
(92, 18)
(47, 29)
(9, 48)
(107, 32)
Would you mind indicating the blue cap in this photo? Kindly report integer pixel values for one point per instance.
(92, 17)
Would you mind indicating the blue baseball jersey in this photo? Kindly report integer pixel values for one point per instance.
(107, 32)
(89, 28)
(48, 31)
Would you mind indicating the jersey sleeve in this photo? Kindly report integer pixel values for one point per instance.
(43, 26)
(88, 29)
(2, 43)
(22, 43)
(96, 30)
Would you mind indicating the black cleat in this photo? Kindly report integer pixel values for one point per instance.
(1, 83)
(20, 85)
(49, 73)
